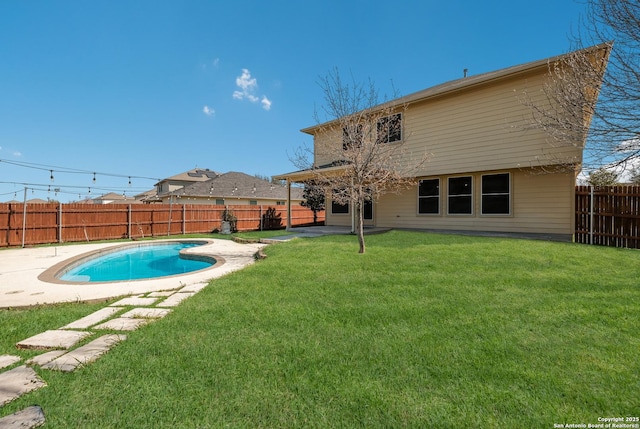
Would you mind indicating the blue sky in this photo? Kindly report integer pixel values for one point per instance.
(152, 88)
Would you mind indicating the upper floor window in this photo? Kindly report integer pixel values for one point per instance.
(496, 195)
(352, 136)
(390, 128)
(460, 195)
(429, 196)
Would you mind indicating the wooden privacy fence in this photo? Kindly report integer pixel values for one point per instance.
(57, 223)
(608, 215)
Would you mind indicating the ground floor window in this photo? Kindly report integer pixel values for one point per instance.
(253, 202)
(496, 194)
(280, 203)
(367, 210)
(339, 208)
(220, 201)
(460, 191)
(429, 196)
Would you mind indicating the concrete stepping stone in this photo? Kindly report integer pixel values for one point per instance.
(30, 417)
(147, 313)
(134, 301)
(53, 339)
(45, 357)
(93, 318)
(88, 353)
(161, 294)
(196, 287)
(175, 299)
(122, 324)
(6, 360)
(18, 381)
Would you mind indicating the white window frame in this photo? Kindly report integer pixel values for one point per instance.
(469, 195)
(388, 118)
(508, 194)
(439, 197)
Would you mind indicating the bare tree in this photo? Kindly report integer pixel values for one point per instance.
(603, 177)
(570, 113)
(360, 151)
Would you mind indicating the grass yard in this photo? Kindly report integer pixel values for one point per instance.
(422, 331)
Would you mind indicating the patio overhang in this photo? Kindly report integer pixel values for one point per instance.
(311, 173)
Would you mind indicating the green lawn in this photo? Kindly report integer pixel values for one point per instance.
(424, 330)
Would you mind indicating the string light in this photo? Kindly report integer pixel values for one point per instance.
(51, 177)
(94, 177)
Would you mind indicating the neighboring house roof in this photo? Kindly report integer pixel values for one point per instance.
(113, 197)
(146, 194)
(194, 175)
(237, 185)
(177, 181)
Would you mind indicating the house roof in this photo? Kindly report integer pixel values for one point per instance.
(113, 196)
(194, 175)
(237, 185)
(475, 80)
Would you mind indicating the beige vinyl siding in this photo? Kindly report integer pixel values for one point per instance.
(481, 129)
(475, 129)
(540, 204)
(341, 219)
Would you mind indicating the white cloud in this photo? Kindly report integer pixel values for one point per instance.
(247, 90)
(266, 103)
(629, 145)
(208, 111)
(16, 153)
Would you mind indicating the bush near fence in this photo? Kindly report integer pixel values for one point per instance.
(58, 223)
(608, 215)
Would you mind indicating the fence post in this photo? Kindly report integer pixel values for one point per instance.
(24, 216)
(129, 216)
(59, 222)
(184, 219)
(591, 205)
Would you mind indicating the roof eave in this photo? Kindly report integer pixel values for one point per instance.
(470, 82)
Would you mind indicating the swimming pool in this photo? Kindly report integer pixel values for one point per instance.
(137, 262)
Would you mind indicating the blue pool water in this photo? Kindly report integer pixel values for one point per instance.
(137, 262)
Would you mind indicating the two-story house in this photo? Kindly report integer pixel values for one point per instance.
(489, 171)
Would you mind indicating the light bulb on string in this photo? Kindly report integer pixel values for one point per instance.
(94, 177)
(51, 176)
(129, 180)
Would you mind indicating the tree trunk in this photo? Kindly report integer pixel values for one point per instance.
(360, 225)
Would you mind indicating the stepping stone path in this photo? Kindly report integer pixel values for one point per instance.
(62, 355)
